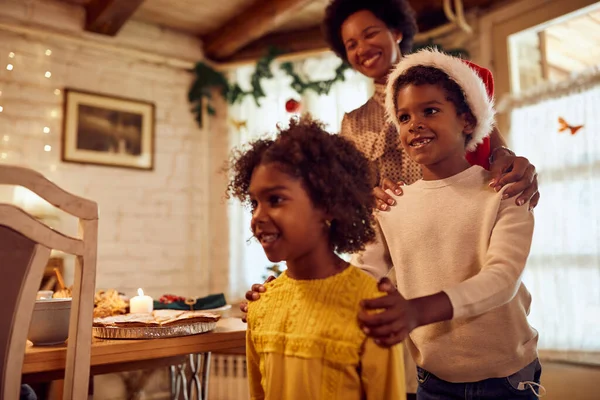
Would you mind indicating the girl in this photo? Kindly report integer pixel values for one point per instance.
(310, 195)
(458, 246)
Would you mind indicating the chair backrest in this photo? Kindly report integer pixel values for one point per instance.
(25, 245)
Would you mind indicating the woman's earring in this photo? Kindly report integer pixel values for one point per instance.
(328, 223)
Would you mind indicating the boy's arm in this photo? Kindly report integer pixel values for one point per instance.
(375, 259)
(253, 366)
(382, 372)
(496, 284)
(500, 277)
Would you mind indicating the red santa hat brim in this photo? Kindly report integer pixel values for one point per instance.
(460, 72)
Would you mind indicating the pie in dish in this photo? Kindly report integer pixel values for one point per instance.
(158, 318)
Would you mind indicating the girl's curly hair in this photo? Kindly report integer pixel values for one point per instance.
(336, 176)
(396, 14)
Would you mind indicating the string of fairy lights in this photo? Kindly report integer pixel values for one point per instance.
(5, 137)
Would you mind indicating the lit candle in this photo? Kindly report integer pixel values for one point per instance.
(141, 304)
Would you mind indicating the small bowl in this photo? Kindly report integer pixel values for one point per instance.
(50, 322)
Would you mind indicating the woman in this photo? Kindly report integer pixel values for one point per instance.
(372, 36)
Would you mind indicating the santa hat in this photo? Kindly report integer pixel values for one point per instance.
(481, 106)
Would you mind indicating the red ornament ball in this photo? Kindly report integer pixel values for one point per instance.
(292, 106)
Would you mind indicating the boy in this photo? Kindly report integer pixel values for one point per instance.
(459, 247)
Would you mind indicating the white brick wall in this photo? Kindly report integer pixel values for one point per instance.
(154, 226)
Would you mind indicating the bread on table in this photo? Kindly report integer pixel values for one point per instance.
(157, 318)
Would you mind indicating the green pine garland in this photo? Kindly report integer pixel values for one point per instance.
(208, 78)
(262, 71)
(319, 87)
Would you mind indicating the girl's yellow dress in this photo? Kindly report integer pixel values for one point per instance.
(304, 342)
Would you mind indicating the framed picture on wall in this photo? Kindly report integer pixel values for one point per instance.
(107, 130)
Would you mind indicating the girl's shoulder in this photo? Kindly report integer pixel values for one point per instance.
(364, 283)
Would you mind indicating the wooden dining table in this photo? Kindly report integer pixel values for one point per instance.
(47, 363)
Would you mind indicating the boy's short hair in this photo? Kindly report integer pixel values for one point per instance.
(463, 86)
(396, 14)
(335, 174)
(425, 75)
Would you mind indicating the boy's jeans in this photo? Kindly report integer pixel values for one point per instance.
(519, 386)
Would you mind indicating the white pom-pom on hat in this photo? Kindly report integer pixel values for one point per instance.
(466, 77)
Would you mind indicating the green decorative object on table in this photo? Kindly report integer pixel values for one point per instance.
(173, 302)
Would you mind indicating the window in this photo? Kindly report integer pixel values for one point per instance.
(561, 82)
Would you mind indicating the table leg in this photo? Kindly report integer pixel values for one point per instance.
(173, 379)
(178, 381)
(200, 368)
(205, 374)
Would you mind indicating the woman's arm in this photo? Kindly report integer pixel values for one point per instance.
(496, 141)
(507, 168)
(375, 259)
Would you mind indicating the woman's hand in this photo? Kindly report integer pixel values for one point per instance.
(518, 170)
(252, 295)
(384, 200)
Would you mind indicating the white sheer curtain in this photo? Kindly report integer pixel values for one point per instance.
(247, 260)
(563, 271)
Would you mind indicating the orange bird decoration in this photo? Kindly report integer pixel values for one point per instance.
(565, 126)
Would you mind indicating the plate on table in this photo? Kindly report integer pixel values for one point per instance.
(158, 324)
(153, 332)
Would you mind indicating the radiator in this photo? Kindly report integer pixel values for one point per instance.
(228, 378)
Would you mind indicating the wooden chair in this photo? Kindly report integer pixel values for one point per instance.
(25, 245)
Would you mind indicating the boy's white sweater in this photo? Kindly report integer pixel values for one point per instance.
(457, 235)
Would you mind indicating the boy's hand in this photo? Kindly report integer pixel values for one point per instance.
(392, 325)
(252, 295)
(384, 200)
(400, 316)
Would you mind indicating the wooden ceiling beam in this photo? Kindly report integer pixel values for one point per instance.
(293, 42)
(107, 17)
(247, 40)
(258, 20)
